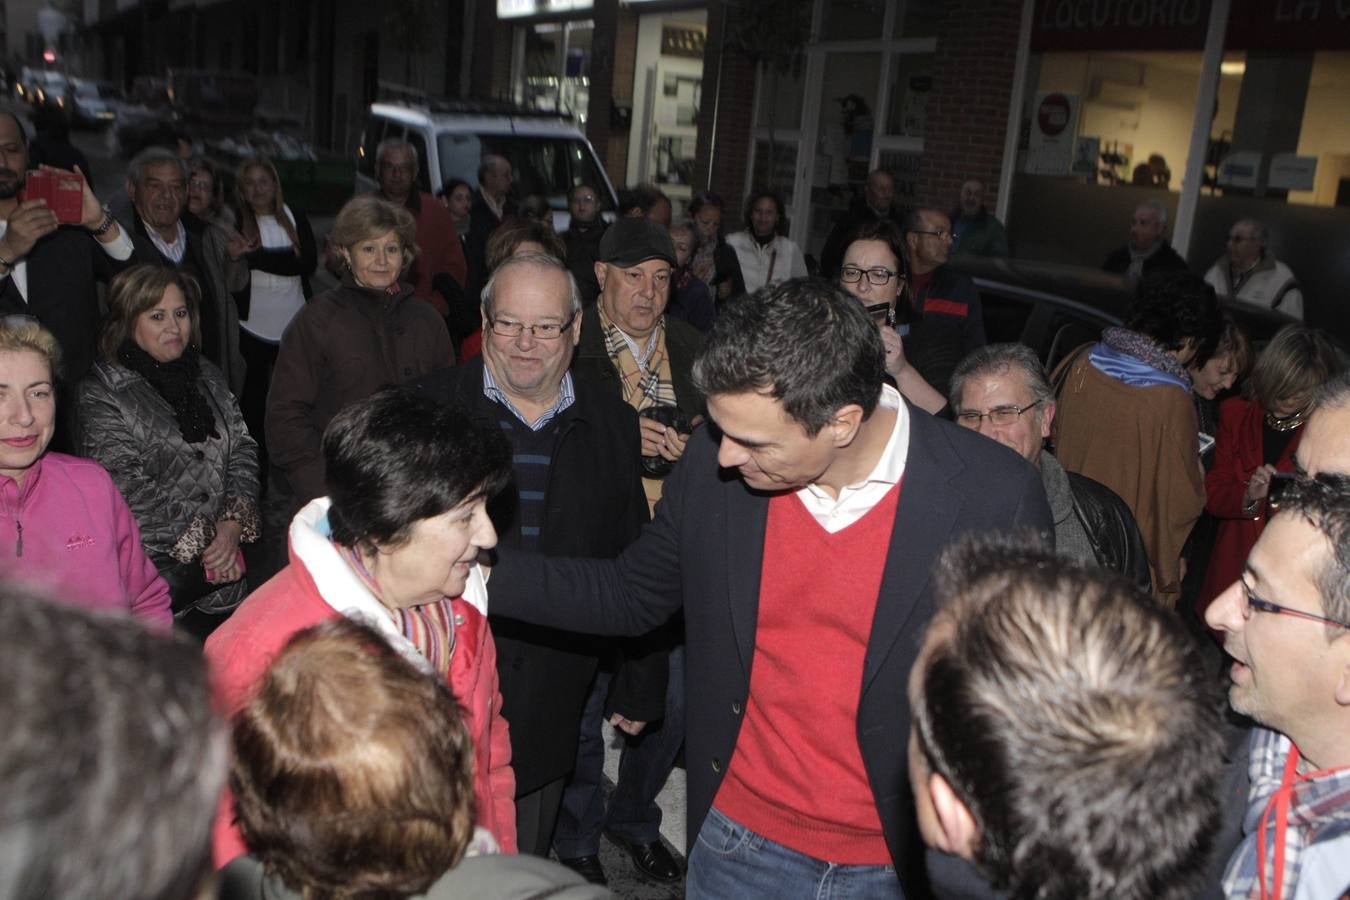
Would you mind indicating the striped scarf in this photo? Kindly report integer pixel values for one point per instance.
(429, 627)
(644, 385)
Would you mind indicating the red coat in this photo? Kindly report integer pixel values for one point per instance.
(1237, 453)
(240, 650)
(439, 250)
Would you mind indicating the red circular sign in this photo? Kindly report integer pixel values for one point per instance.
(1053, 116)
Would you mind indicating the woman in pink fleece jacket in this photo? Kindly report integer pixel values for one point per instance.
(394, 544)
(64, 528)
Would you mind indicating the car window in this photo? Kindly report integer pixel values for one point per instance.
(370, 139)
(545, 166)
(1005, 317)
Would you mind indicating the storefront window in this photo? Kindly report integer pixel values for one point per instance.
(843, 146)
(911, 84)
(557, 68)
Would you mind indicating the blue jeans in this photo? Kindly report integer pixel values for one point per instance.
(730, 860)
(643, 769)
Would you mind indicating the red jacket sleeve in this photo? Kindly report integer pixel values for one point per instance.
(1226, 482)
(501, 776)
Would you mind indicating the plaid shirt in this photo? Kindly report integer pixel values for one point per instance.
(1319, 812)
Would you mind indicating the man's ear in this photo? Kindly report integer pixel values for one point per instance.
(601, 269)
(1343, 683)
(958, 833)
(844, 424)
(1048, 418)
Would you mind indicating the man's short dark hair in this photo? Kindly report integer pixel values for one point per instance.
(398, 457)
(1072, 717)
(112, 759)
(1172, 307)
(1324, 502)
(803, 342)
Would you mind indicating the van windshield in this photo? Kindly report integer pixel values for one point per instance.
(542, 165)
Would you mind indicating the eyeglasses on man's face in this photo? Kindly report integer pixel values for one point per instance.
(877, 275)
(999, 415)
(543, 331)
(1260, 604)
(942, 234)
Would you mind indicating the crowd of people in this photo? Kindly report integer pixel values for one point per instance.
(880, 584)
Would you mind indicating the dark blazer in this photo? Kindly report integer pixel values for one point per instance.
(594, 506)
(703, 553)
(683, 342)
(63, 269)
(482, 222)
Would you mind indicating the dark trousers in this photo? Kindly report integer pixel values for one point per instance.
(260, 358)
(643, 769)
(536, 814)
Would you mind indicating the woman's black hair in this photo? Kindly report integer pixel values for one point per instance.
(399, 457)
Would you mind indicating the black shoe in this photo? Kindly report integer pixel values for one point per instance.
(587, 867)
(652, 859)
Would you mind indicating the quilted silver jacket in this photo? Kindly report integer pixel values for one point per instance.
(176, 490)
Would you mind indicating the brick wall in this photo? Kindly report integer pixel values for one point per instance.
(968, 110)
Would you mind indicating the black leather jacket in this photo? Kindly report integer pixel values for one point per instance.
(1111, 530)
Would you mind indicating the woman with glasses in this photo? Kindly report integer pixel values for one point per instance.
(1254, 453)
(767, 256)
(346, 343)
(874, 271)
(64, 528)
(163, 422)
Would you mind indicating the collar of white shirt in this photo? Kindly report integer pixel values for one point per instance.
(855, 500)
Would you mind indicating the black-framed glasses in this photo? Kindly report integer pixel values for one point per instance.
(999, 415)
(941, 234)
(1260, 604)
(877, 275)
(544, 331)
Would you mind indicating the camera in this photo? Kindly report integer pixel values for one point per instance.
(672, 417)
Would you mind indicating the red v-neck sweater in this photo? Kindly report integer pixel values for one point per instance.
(797, 775)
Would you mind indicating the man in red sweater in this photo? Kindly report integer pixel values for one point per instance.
(797, 536)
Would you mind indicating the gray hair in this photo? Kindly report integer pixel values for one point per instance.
(154, 156)
(1260, 233)
(1000, 358)
(1158, 207)
(538, 261)
(488, 161)
(396, 144)
(1335, 392)
(689, 226)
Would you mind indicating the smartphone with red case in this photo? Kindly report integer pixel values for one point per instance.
(63, 191)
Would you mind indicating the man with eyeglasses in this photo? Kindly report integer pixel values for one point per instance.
(576, 492)
(440, 273)
(1248, 273)
(1286, 624)
(944, 319)
(1001, 391)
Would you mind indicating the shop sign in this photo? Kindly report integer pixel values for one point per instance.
(1054, 124)
(515, 9)
(1240, 169)
(1181, 25)
(1291, 172)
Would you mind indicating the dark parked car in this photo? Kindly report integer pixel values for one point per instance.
(1054, 308)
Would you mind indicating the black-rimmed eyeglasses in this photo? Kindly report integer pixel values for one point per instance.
(876, 275)
(543, 331)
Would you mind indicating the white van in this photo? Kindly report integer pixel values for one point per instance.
(548, 154)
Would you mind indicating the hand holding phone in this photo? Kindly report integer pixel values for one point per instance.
(63, 192)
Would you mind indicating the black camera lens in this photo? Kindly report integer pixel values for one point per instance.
(672, 417)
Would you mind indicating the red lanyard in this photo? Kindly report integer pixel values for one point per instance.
(1279, 804)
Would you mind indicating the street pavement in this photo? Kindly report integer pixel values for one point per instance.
(109, 173)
